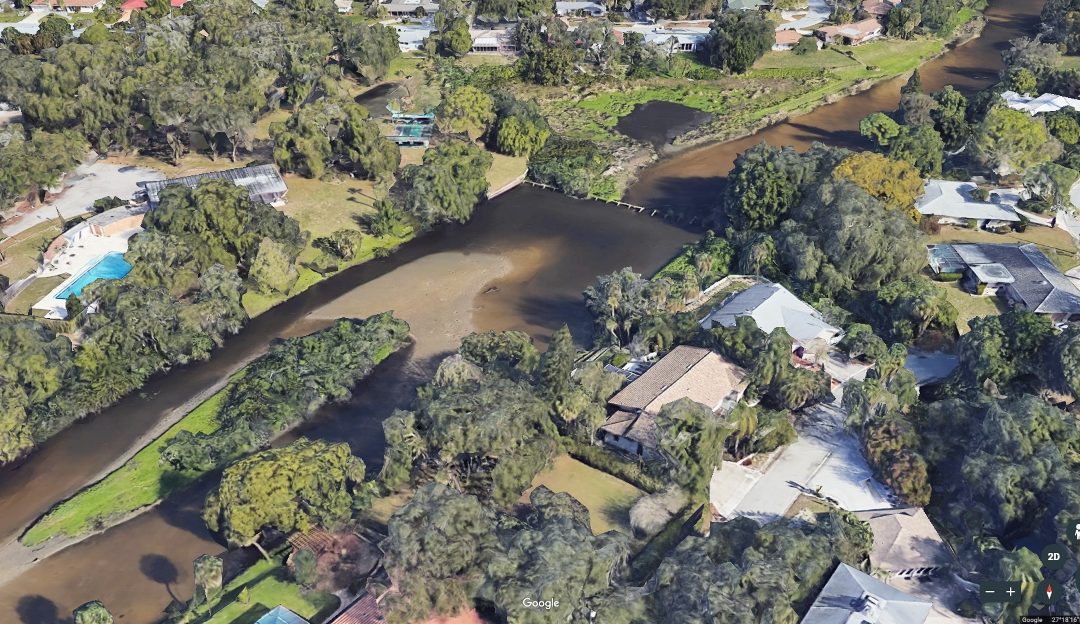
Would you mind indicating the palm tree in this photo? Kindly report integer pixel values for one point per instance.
(745, 419)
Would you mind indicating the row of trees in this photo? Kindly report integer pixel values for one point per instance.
(191, 266)
(448, 551)
(209, 70)
(286, 385)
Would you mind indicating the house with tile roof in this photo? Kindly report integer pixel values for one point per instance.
(851, 34)
(906, 543)
(851, 596)
(694, 373)
(364, 610)
(772, 306)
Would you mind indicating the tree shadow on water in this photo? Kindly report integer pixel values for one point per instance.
(37, 609)
(159, 569)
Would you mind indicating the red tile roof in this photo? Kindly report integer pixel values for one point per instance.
(787, 36)
(364, 611)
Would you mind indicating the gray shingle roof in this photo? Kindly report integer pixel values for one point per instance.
(845, 594)
(772, 306)
(1041, 286)
(257, 180)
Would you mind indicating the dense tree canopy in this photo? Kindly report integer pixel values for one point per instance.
(570, 165)
(1010, 141)
(294, 488)
(448, 185)
(896, 183)
(737, 39)
(287, 385)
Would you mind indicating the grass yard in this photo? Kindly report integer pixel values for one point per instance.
(827, 58)
(969, 306)
(141, 481)
(505, 169)
(808, 504)
(33, 293)
(405, 65)
(1069, 62)
(384, 506)
(10, 17)
(262, 126)
(1056, 243)
(190, 163)
(22, 252)
(268, 584)
(607, 498)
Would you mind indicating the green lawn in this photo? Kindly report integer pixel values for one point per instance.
(22, 252)
(141, 481)
(505, 169)
(10, 17)
(607, 498)
(33, 293)
(269, 585)
(828, 58)
(1069, 62)
(969, 306)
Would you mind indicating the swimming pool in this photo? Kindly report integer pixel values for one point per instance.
(111, 266)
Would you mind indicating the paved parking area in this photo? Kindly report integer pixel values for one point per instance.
(82, 187)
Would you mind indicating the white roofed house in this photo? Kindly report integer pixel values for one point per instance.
(698, 374)
(772, 306)
(576, 7)
(952, 203)
(1045, 103)
(410, 8)
(852, 597)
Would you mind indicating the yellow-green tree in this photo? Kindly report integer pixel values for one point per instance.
(894, 182)
(468, 110)
(308, 483)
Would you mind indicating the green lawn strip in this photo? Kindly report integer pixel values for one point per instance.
(33, 293)
(139, 482)
(268, 586)
(969, 306)
(22, 252)
(10, 17)
(256, 302)
(607, 498)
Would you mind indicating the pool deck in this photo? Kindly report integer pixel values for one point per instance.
(75, 260)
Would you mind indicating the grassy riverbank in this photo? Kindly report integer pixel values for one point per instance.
(142, 481)
(145, 479)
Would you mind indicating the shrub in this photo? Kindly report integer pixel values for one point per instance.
(806, 45)
(948, 277)
(635, 474)
(1021, 225)
(980, 194)
(651, 513)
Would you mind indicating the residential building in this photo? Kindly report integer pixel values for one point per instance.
(906, 543)
(122, 222)
(493, 41)
(1045, 103)
(412, 37)
(698, 374)
(747, 5)
(951, 202)
(854, 34)
(66, 6)
(263, 183)
(281, 615)
(364, 610)
(786, 40)
(772, 306)
(138, 5)
(411, 8)
(343, 6)
(852, 597)
(580, 8)
(877, 8)
(1020, 273)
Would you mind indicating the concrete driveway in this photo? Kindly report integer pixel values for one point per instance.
(81, 188)
(825, 460)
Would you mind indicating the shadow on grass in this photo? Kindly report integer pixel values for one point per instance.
(617, 513)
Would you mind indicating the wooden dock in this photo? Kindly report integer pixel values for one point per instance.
(620, 204)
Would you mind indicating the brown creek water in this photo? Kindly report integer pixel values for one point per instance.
(521, 263)
(686, 182)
